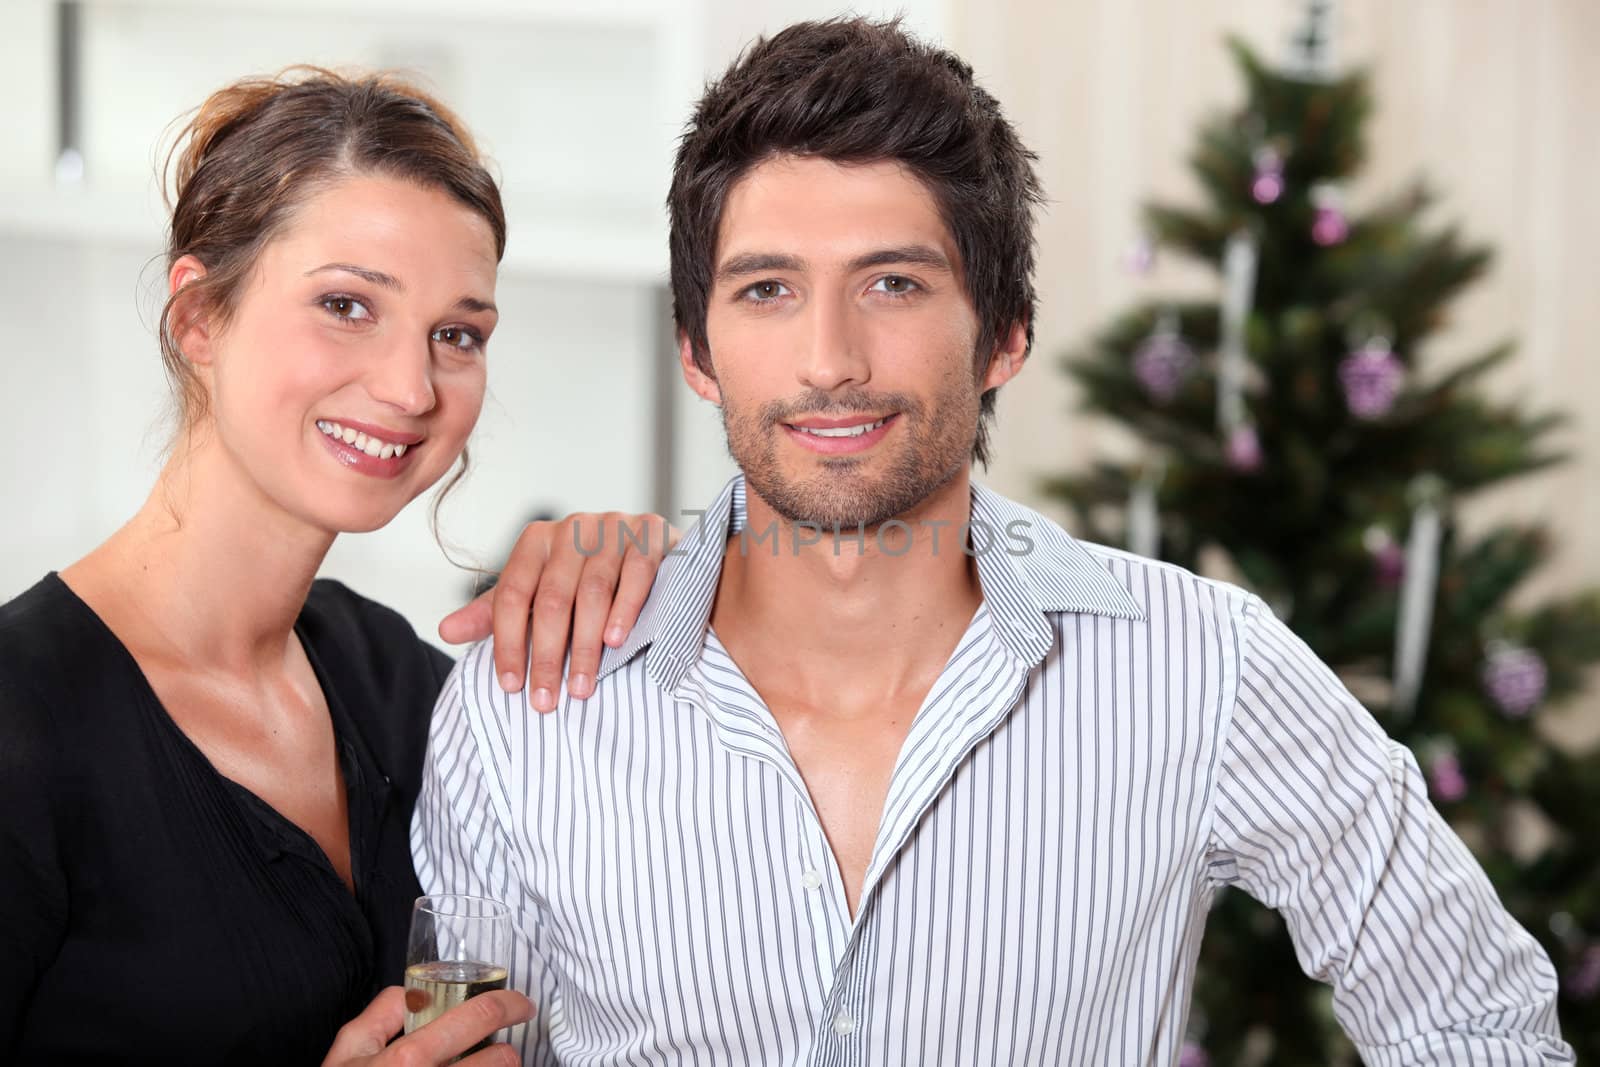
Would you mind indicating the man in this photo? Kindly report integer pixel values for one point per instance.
(892, 770)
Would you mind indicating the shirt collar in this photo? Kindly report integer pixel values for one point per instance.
(1028, 567)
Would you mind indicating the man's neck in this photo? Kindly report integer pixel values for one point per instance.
(870, 615)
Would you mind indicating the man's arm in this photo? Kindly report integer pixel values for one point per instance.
(458, 838)
(1324, 818)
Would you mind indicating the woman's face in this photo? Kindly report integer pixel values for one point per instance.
(352, 371)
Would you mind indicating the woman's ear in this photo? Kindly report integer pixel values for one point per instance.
(189, 323)
(703, 384)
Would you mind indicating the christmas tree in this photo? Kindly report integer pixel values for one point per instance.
(1291, 432)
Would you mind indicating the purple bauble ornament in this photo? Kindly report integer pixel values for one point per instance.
(1267, 184)
(1449, 784)
(1329, 226)
(1162, 362)
(1515, 679)
(1192, 1055)
(1388, 557)
(1371, 376)
(1244, 449)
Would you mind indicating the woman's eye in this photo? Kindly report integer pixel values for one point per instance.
(457, 337)
(765, 292)
(346, 307)
(895, 285)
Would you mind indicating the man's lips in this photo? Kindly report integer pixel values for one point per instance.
(818, 422)
(833, 437)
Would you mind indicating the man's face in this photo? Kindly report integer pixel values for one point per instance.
(842, 341)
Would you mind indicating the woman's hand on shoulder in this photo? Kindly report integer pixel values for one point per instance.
(364, 1040)
(589, 575)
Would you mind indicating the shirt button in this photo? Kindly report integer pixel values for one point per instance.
(811, 879)
(843, 1025)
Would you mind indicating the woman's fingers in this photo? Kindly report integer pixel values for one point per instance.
(458, 1029)
(597, 585)
(639, 567)
(552, 609)
(473, 622)
(618, 570)
(513, 596)
(579, 583)
(367, 1034)
(493, 1056)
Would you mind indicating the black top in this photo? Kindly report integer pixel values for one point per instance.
(152, 910)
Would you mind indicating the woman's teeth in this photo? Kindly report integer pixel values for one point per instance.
(361, 442)
(842, 431)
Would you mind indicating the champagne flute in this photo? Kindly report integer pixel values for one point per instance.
(460, 946)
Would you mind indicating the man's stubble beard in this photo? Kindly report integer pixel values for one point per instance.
(935, 447)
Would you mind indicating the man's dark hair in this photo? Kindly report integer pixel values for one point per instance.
(859, 91)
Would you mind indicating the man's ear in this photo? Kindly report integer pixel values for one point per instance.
(189, 324)
(704, 386)
(1010, 352)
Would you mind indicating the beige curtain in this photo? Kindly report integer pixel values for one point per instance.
(1496, 102)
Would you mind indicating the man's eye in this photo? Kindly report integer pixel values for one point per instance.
(762, 292)
(895, 285)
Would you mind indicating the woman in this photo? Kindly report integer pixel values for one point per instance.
(208, 759)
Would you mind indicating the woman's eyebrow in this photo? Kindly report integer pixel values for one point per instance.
(376, 277)
(389, 281)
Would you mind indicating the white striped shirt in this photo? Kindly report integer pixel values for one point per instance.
(1113, 741)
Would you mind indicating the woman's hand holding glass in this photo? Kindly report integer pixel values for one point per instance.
(364, 1040)
(458, 961)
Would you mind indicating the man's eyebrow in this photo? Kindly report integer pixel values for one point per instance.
(758, 262)
(918, 255)
(376, 277)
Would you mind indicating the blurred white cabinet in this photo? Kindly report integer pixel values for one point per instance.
(577, 104)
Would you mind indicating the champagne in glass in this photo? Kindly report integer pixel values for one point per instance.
(459, 947)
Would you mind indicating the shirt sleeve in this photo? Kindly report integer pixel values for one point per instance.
(1323, 817)
(33, 883)
(459, 840)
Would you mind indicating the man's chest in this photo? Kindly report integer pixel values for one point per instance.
(846, 763)
(1026, 872)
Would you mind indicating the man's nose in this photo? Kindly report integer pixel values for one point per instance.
(835, 355)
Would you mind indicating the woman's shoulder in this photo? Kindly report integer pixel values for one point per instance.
(385, 677)
(48, 638)
(49, 652)
(369, 633)
(384, 673)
